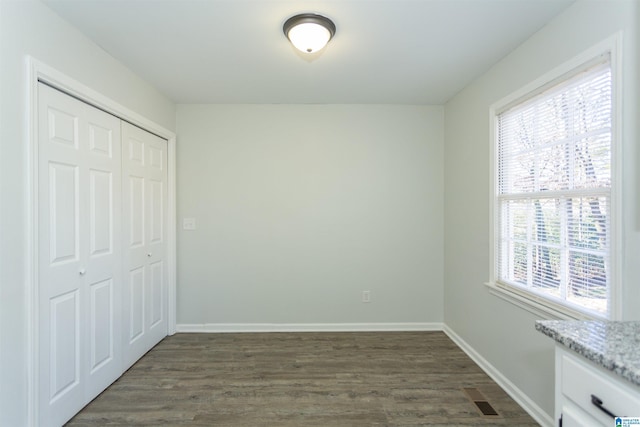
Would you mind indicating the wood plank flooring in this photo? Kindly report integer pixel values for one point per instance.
(302, 379)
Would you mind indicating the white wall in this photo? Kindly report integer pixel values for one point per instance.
(300, 208)
(30, 28)
(501, 333)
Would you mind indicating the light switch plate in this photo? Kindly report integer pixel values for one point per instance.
(188, 223)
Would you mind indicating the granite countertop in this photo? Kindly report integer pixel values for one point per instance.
(613, 345)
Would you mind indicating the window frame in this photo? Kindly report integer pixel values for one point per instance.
(533, 302)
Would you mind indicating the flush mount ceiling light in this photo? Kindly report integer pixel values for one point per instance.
(309, 32)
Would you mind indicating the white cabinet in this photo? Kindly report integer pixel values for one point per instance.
(585, 391)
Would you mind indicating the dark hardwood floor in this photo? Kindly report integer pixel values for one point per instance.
(302, 379)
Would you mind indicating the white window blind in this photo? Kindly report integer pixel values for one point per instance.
(553, 201)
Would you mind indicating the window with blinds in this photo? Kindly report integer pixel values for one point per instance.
(553, 198)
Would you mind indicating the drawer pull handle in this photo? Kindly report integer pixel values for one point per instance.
(598, 402)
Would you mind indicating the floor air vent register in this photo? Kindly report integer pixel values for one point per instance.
(480, 402)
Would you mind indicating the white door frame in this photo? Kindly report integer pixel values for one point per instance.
(38, 71)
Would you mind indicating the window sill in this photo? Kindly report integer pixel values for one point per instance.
(536, 305)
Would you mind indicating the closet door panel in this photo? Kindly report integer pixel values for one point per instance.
(136, 304)
(65, 351)
(101, 323)
(103, 243)
(156, 212)
(63, 207)
(156, 173)
(101, 141)
(136, 215)
(60, 261)
(62, 124)
(145, 175)
(79, 169)
(156, 312)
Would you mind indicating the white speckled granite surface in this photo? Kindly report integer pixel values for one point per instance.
(613, 345)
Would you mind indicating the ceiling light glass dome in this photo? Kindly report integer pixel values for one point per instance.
(309, 32)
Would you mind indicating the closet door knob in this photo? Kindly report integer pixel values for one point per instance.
(149, 254)
(82, 272)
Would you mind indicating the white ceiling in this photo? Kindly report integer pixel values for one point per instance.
(234, 51)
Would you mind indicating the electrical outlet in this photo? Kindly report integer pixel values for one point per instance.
(366, 296)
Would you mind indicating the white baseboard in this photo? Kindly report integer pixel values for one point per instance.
(307, 327)
(511, 389)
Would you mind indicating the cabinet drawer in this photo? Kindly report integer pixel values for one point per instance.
(581, 380)
(575, 417)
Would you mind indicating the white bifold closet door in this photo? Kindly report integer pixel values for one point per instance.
(102, 201)
(144, 164)
(80, 255)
